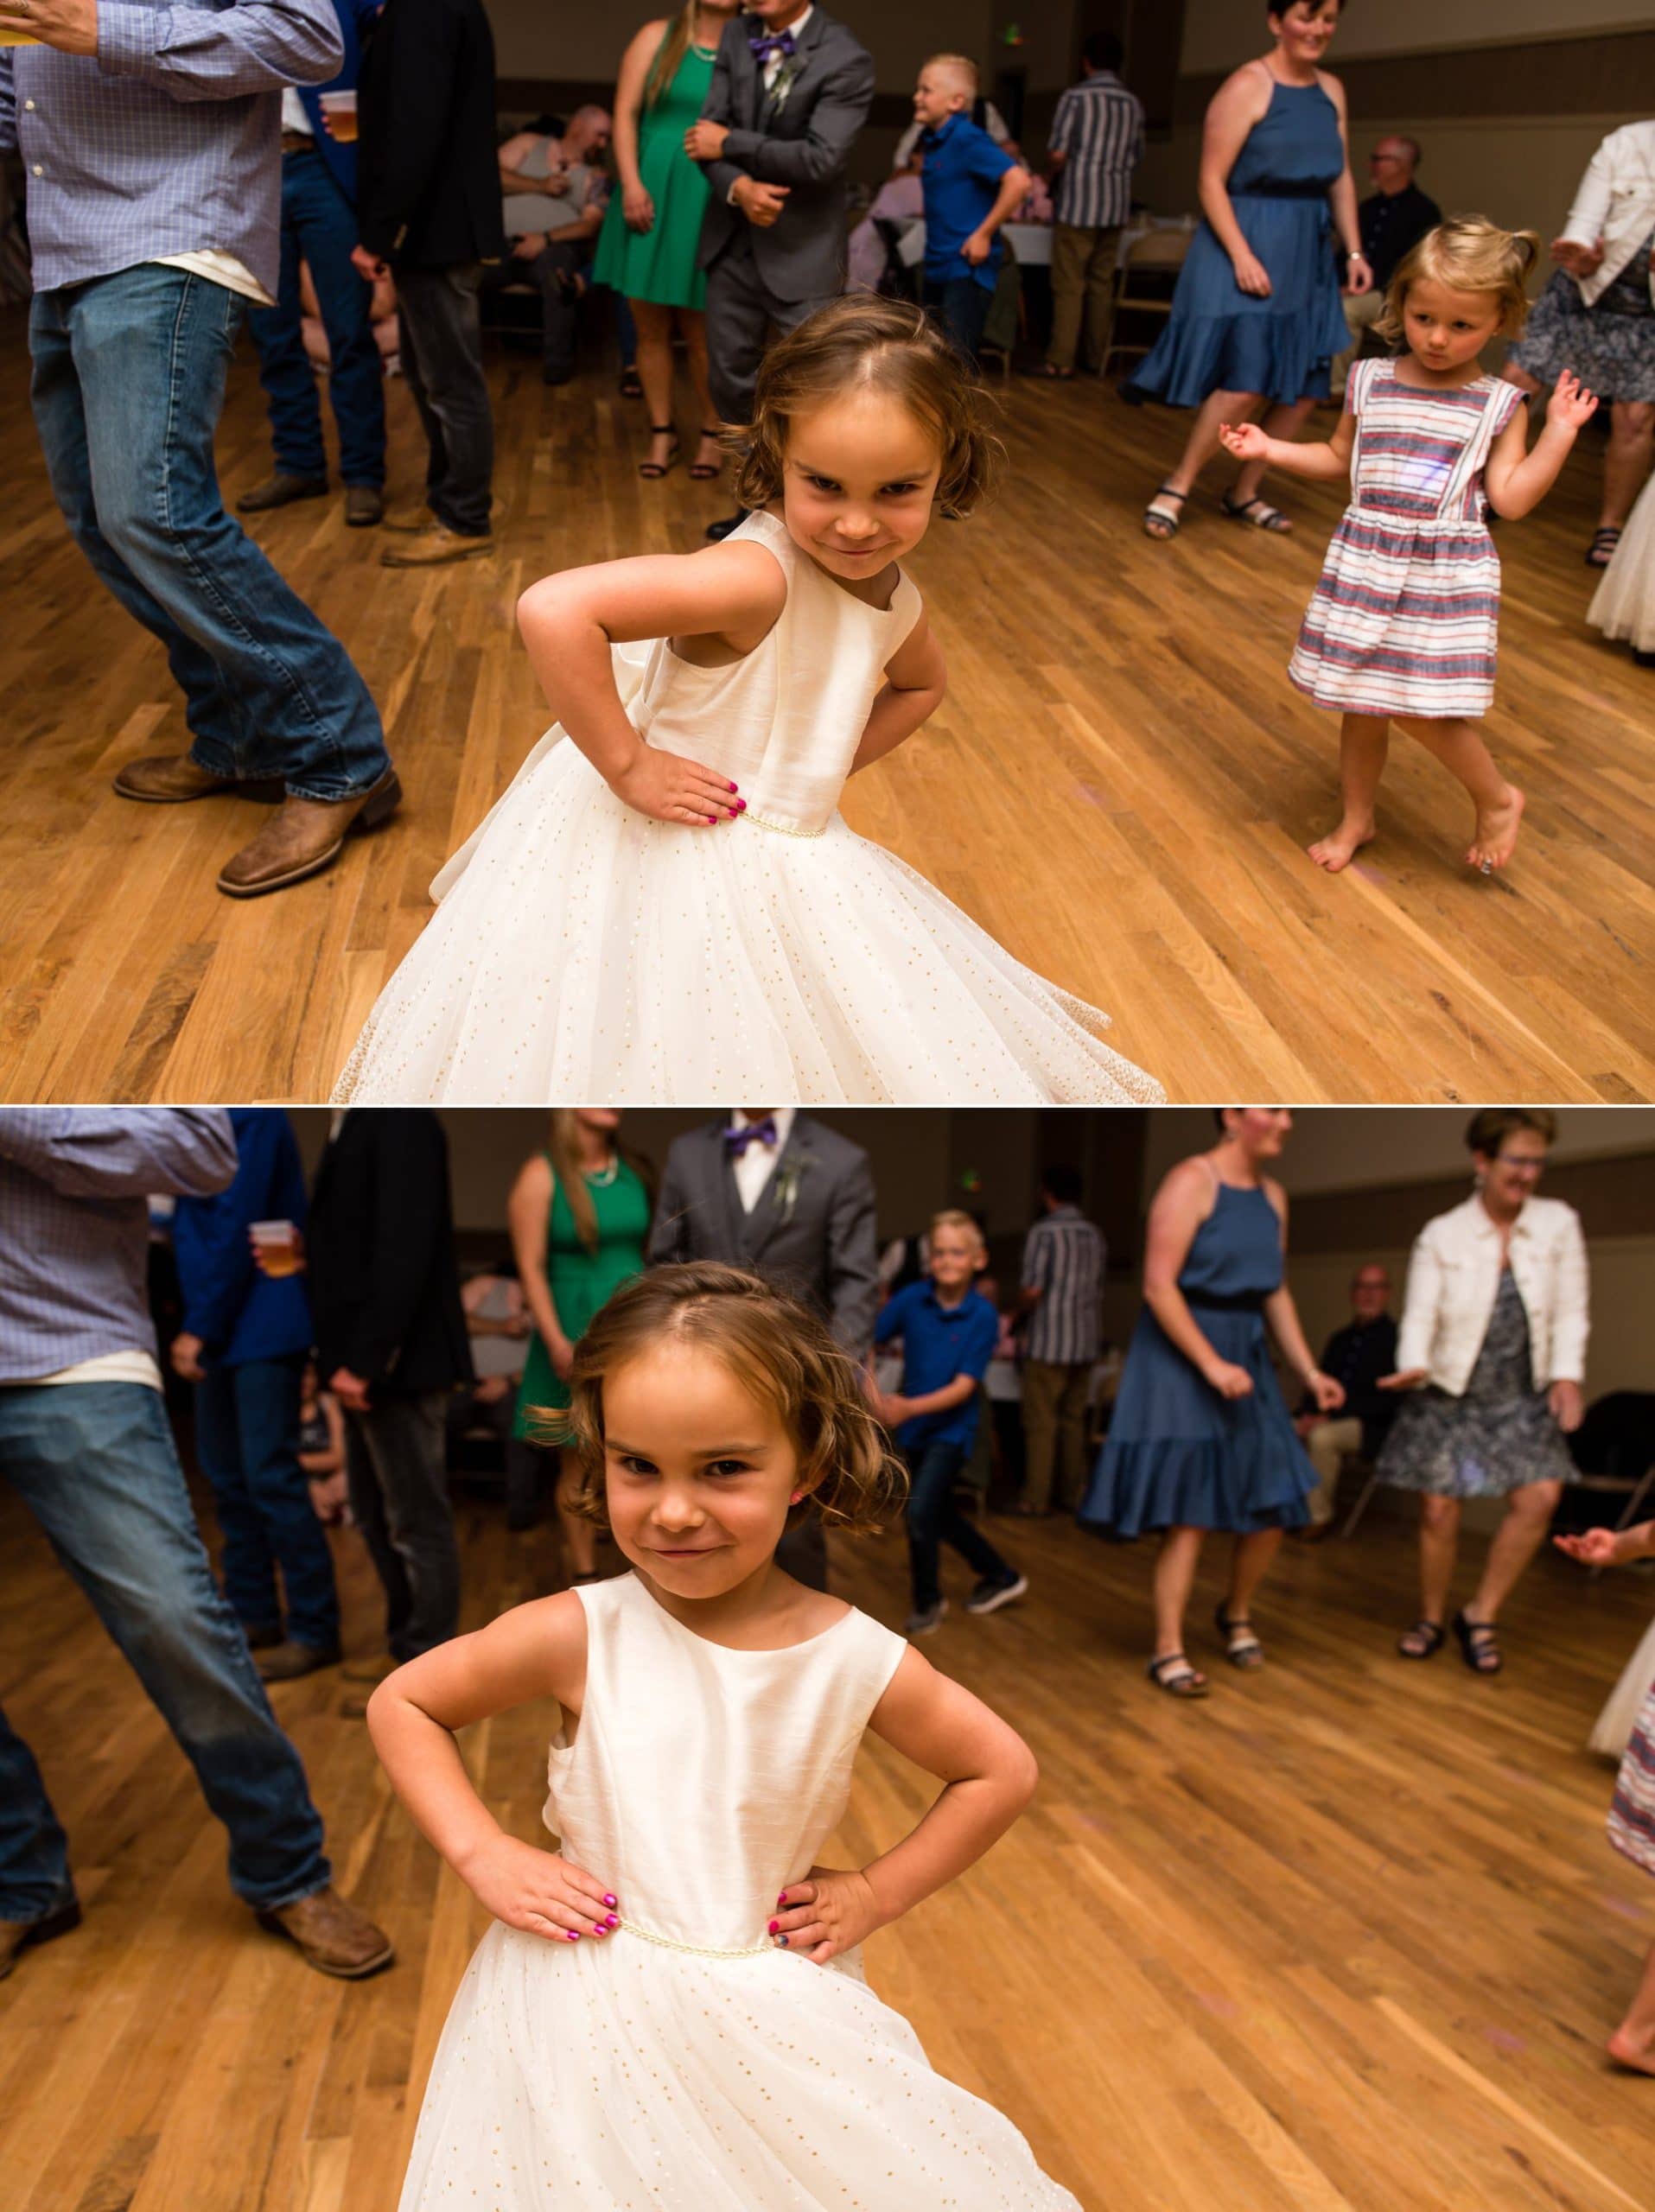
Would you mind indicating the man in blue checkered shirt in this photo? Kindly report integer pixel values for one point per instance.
(85, 1443)
(150, 138)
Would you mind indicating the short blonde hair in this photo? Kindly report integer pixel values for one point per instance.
(956, 1217)
(960, 65)
(1469, 254)
(776, 1347)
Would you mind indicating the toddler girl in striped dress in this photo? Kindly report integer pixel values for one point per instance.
(1402, 626)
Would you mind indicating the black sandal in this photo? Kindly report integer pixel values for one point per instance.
(1242, 1647)
(632, 384)
(1479, 1645)
(1431, 1636)
(1183, 1681)
(654, 469)
(704, 471)
(1156, 525)
(1270, 519)
(1600, 551)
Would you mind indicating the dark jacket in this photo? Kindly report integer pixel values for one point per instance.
(1391, 224)
(811, 1231)
(240, 1314)
(384, 1284)
(1357, 1356)
(356, 19)
(428, 192)
(803, 142)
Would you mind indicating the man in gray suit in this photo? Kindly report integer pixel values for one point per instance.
(771, 1189)
(790, 89)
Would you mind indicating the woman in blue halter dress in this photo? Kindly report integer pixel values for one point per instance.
(1201, 1437)
(1256, 316)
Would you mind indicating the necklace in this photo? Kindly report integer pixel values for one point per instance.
(604, 1176)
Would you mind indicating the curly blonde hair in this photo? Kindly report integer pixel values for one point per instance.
(1468, 254)
(864, 341)
(776, 1347)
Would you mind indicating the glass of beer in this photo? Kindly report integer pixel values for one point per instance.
(278, 1246)
(339, 108)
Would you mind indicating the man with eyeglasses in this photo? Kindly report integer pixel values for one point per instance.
(1393, 219)
(1357, 1356)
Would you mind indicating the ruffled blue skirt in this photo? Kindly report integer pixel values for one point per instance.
(1221, 339)
(1178, 1455)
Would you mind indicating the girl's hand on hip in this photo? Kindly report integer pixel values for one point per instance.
(538, 1891)
(1568, 1407)
(826, 1916)
(668, 788)
(1595, 1548)
(1251, 274)
(1328, 1395)
(1229, 1380)
(1245, 439)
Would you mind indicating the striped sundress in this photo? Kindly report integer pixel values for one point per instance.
(1632, 1816)
(1405, 616)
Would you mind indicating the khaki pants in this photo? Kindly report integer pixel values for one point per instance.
(1362, 311)
(1326, 1445)
(1054, 1429)
(1082, 266)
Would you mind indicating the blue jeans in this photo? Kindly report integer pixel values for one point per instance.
(961, 305)
(247, 1441)
(935, 1520)
(128, 383)
(94, 1463)
(318, 228)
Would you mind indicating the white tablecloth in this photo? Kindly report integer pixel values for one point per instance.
(1030, 242)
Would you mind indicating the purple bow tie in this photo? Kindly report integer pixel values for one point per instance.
(737, 1140)
(769, 42)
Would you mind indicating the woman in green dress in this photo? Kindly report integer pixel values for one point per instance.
(579, 1214)
(646, 249)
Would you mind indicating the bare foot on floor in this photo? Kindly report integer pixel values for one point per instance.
(1495, 839)
(1338, 849)
(1626, 2051)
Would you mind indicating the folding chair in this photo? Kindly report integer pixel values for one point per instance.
(1161, 250)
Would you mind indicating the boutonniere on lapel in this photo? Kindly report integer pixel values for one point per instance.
(785, 76)
(790, 1173)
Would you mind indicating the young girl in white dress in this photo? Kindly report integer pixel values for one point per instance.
(1403, 625)
(666, 905)
(670, 2010)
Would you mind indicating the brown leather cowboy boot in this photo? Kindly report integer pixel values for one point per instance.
(170, 778)
(305, 837)
(334, 1935)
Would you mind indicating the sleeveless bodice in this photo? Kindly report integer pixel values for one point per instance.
(701, 1780)
(784, 722)
(1237, 1249)
(1293, 151)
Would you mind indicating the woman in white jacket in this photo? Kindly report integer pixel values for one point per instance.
(1493, 1347)
(1597, 316)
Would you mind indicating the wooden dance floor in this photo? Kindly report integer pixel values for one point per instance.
(1119, 786)
(1347, 1938)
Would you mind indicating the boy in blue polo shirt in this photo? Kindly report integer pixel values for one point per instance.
(948, 1336)
(971, 187)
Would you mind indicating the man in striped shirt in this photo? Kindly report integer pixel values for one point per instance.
(1063, 1277)
(1097, 142)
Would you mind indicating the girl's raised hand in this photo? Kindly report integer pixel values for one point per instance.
(538, 1891)
(1595, 1548)
(1245, 439)
(832, 1912)
(1571, 406)
(668, 788)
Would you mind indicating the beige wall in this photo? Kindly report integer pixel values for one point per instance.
(1350, 1149)
(1219, 33)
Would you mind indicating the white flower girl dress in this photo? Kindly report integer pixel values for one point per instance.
(581, 951)
(684, 2063)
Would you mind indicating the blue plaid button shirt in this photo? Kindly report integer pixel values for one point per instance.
(74, 1226)
(168, 140)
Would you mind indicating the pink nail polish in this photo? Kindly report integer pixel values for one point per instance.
(735, 787)
(740, 806)
(775, 1928)
(609, 1901)
(573, 1934)
(781, 1900)
(612, 1922)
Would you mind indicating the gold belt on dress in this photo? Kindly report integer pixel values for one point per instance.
(782, 828)
(671, 1943)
